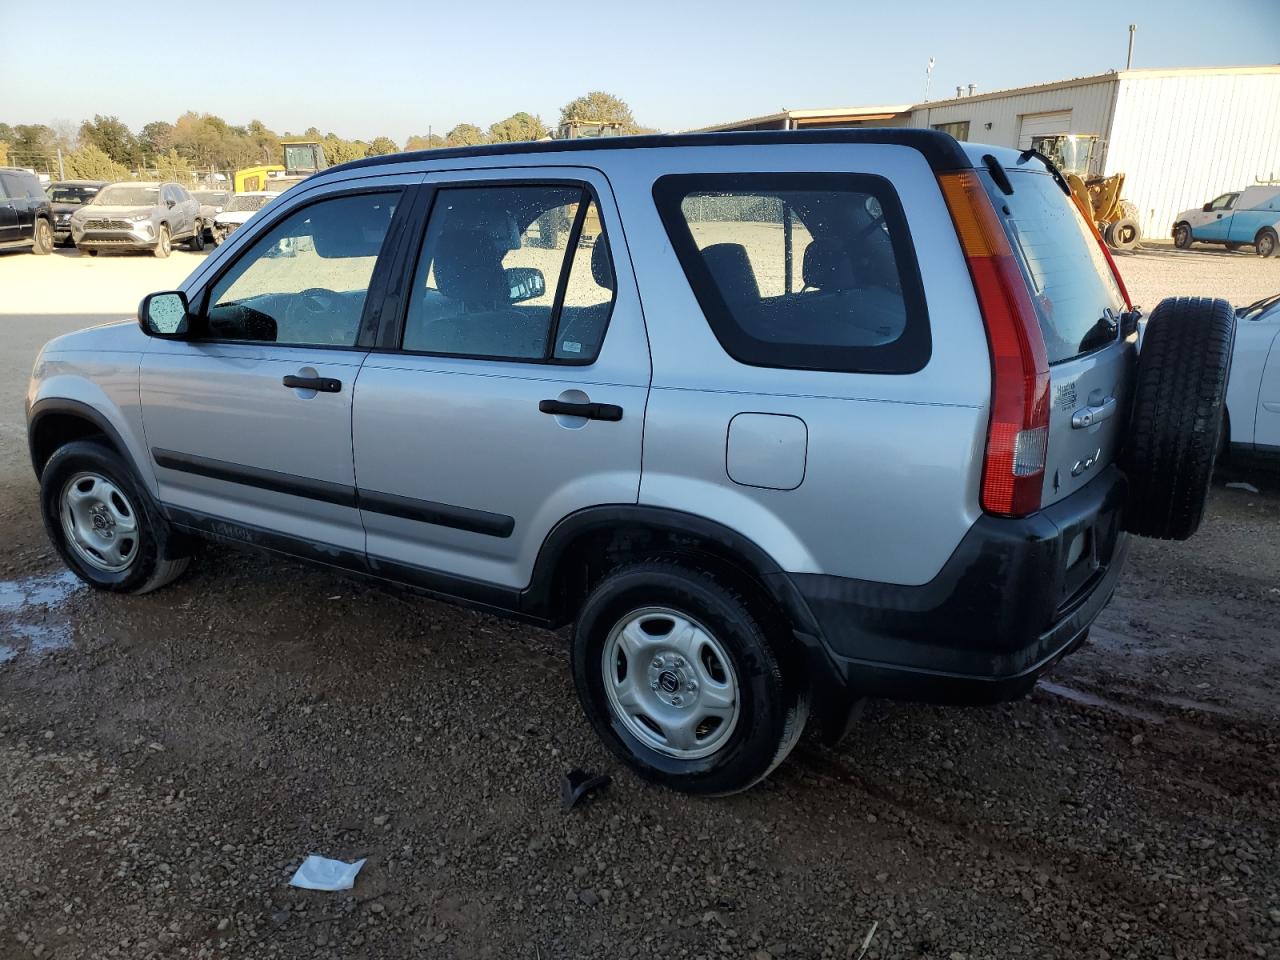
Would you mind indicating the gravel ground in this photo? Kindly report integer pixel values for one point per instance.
(169, 760)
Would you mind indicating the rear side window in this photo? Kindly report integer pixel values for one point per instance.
(1068, 276)
(803, 271)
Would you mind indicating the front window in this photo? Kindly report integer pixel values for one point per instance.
(73, 195)
(304, 281)
(806, 271)
(1224, 202)
(124, 195)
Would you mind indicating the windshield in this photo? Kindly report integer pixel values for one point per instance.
(243, 202)
(1067, 274)
(215, 198)
(72, 194)
(124, 195)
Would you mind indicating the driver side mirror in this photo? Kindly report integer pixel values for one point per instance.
(1207, 207)
(164, 315)
(525, 283)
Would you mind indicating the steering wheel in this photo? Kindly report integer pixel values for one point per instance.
(310, 308)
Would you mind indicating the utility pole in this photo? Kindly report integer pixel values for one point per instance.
(928, 78)
(62, 173)
(1133, 28)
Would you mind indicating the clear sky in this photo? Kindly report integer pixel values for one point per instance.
(364, 68)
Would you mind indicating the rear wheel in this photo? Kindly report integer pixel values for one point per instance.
(1177, 415)
(42, 238)
(196, 243)
(164, 244)
(683, 681)
(1182, 236)
(102, 521)
(1266, 244)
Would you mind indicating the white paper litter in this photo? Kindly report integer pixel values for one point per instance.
(321, 873)
(1246, 487)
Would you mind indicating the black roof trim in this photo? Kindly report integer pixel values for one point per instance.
(941, 150)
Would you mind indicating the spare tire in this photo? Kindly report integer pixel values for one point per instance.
(1176, 422)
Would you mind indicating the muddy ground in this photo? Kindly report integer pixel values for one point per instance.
(167, 761)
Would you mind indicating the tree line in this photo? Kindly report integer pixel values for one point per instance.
(105, 148)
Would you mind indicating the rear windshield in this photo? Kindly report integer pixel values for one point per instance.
(1069, 279)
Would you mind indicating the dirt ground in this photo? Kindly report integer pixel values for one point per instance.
(167, 761)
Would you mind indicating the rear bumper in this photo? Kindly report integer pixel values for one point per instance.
(1015, 597)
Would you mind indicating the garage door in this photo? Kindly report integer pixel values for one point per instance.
(1042, 125)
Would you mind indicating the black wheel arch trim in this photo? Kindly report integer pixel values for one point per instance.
(60, 405)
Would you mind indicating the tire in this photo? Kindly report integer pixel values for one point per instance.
(1177, 415)
(196, 243)
(107, 490)
(1123, 234)
(1182, 236)
(698, 635)
(91, 252)
(1266, 244)
(164, 244)
(42, 238)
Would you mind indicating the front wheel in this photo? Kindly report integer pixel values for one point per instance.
(165, 242)
(1266, 244)
(1182, 236)
(683, 681)
(102, 521)
(42, 239)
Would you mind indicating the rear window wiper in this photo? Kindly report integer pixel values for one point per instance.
(1258, 306)
(1049, 165)
(1103, 331)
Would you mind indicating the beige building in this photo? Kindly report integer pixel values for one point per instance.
(1180, 136)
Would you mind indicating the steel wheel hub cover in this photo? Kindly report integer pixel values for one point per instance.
(99, 522)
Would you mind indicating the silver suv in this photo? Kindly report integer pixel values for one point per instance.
(138, 216)
(777, 421)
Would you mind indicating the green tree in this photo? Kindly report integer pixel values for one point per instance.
(603, 107)
(172, 166)
(91, 163)
(111, 136)
(381, 146)
(32, 144)
(4, 153)
(156, 138)
(420, 142)
(518, 126)
(465, 135)
(337, 150)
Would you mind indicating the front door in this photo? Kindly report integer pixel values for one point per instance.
(513, 390)
(249, 422)
(1216, 221)
(8, 212)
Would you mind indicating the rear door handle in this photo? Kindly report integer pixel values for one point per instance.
(319, 384)
(592, 411)
(1088, 416)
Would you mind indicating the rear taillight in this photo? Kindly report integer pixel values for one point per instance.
(1018, 435)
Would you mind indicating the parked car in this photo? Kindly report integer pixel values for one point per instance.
(212, 203)
(138, 216)
(1248, 217)
(66, 197)
(238, 210)
(1253, 394)
(895, 429)
(26, 218)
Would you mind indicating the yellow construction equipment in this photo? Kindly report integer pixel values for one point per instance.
(302, 158)
(1116, 219)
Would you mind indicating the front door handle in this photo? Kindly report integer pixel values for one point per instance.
(592, 411)
(319, 384)
(1088, 416)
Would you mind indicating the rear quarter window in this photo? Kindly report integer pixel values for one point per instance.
(801, 271)
(1068, 277)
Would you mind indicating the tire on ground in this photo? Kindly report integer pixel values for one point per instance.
(42, 238)
(154, 561)
(773, 698)
(1177, 414)
(1182, 236)
(1123, 234)
(1267, 243)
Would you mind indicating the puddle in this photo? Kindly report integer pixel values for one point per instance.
(31, 598)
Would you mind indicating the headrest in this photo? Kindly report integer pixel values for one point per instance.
(601, 266)
(731, 269)
(468, 267)
(827, 266)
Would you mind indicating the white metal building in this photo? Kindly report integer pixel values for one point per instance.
(1180, 137)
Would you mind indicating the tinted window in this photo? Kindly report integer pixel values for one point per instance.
(810, 271)
(512, 273)
(4, 187)
(1070, 281)
(304, 281)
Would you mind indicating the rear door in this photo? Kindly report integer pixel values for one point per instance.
(511, 390)
(8, 212)
(1078, 304)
